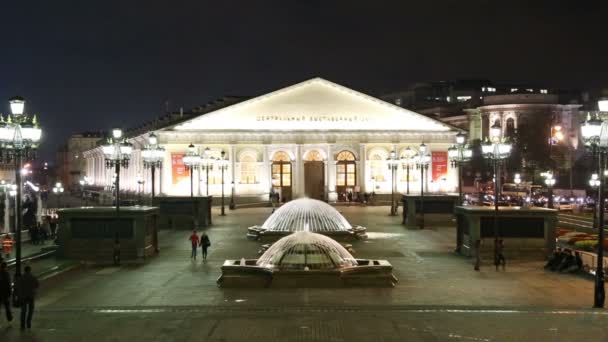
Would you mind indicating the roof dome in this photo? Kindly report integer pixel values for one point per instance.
(306, 251)
(307, 214)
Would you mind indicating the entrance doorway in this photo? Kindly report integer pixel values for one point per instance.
(314, 175)
(281, 176)
(346, 175)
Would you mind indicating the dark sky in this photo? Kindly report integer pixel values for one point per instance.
(91, 65)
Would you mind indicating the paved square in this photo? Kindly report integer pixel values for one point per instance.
(439, 296)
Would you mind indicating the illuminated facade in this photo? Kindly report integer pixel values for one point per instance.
(315, 139)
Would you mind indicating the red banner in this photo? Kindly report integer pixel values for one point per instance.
(440, 165)
(178, 169)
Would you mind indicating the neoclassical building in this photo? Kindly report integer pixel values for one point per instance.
(315, 138)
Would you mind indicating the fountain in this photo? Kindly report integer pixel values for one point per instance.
(306, 214)
(306, 259)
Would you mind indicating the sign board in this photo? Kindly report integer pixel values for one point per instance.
(439, 165)
(179, 171)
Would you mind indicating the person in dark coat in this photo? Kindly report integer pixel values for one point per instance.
(27, 285)
(205, 243)
(5, 291)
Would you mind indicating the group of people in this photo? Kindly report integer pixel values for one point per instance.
(202, 241)
(22, 295)
(39, 233)
(563, 260)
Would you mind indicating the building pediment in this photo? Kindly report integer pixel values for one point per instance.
(313, 105)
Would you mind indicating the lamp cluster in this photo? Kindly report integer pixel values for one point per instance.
(461, 152)
(19, 133)
(117, 150)
(152, 154)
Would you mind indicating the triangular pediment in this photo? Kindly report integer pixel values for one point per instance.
(316, 104)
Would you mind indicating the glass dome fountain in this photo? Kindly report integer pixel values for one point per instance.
(306, 259)
(306, 214)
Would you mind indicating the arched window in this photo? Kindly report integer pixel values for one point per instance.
(281, 175)
(313, 155)
(346, 173)
(376, 169)
(510, 130)
(281, 156)
(249, 169)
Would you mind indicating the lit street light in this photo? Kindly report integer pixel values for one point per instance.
(58, 190)
(19, 138)
(117, 153)
(393, 164)
(422, 160)
(222, 163)
(550, 182)
(407, 162)
(496, 149)
(459, 154)
(191, 160)
(595, 135)
(153, 156)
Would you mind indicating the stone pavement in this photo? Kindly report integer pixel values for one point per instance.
(439, 296)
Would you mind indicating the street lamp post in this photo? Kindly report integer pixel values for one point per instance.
(222, 163)
(459, 154)
(153, 156)
(117, 154)
(594, 182)
(422, 160)
(192, 160)
(407, 162)
(140, 185)
(550, 182)
(393, 163)
(232, 205)
(595, 135)
(58, 190)
(496, 149)
(19, 138)
(207, 162)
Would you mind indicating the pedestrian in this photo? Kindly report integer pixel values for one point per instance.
(194, 240)
(116, 251)
(477, 254)
(349, 196)
(5, 291)
(500, 257)
(27, 285)
(53, 224)
(7, 245)
(205, 243)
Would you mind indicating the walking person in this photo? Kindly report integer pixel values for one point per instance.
(500, 257)
(195, 241)
(205, 243)
(116, 251)
(477, 254)
(27, 285)
(5, 291)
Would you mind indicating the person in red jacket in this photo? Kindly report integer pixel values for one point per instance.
(195, 240)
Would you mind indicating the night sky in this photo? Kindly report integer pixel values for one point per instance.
(91, 65)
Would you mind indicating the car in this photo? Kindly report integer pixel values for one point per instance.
(564, 206)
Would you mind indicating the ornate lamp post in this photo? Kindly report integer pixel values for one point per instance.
(550, 182)
(232, 205)
(595, 135)
(19, 138)
(140, 187)
(207, 162)
(58, 190)
(192, 160)
(393, 164)
(222, 163)
(496, 150)
(153, 156)
(594, 182)
(407, 162)
(422, 160)
(117, 153)
(459, 154)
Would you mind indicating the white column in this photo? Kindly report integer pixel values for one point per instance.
(266, 171)
(299, 174)
(232, 156)
(332, 195)
(361, 179)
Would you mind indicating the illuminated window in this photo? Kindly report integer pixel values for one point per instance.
(345, 156)
(514, 90)
(530, 90)
(543, 91)
(281, 156)
(313, 155)
(463, 98)
(249, 169)
(346, 171)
